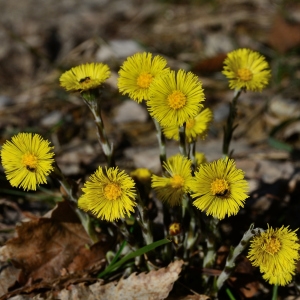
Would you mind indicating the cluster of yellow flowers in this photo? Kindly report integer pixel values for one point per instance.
(174, 99)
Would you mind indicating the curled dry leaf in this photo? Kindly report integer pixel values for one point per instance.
(154, 285)
(43, 247)
(193, 297)
(8, 275)
(210, 64)
(284, 35)
(47, 248)
(243, 278)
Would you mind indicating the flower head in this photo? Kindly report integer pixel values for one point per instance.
(27, 160)
(137, 73)
(200, 159)
(174, 228)
(246, 69)
(195, 127)
(141, 174)
(219, 188)
(84, 77)
(109, 194)
(275, 252)
(175, 98)
(177, 182)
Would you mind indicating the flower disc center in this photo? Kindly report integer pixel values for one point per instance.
(144, 80)
(244, 74)
(30, 161)
(176, 100)
(112, 191)
(272, 245)
(219, 187)
(177, 181)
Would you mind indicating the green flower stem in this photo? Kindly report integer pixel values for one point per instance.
(230, 127)
(123, 229)
(70, 190)
(192, 154)
(230, 295)
(230, 262)
(182, 140)
(68, 186)
(190, 224)
(161, 143)
(143, 221)
(275, 292)
(167, 252)
(211, 241)
(91, 98)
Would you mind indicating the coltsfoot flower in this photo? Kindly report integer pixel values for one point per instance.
(84, 77)
(219, 188)
(141, 174)
(109, 194)
(27, 159)
(195, 127)
(175, 228)
(275, 252)
(200, 159)
(176, 184)
(246, 69)
(175, 98)
(137, 73)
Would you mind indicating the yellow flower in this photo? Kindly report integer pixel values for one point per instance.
(175, 98)
(219, 188)
(177, 182)
(275, 252)
(246, 69)
(141, 174)
(109, 195)
(195, 127)
(200, 159)
(137, 73)
(174, 228)
(27, 160)
(84, 77)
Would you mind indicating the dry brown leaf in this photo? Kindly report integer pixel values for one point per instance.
(196, 297)
(47, 248)
(8, 275)
(210, 64)
(43, 247)
(90, 258)
(243, 278)
(192, 297)
(189, 297)
(55, 286)
(154, 285)
(284, 35)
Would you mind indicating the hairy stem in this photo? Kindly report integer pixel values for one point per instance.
(230, 262)
(230, 127)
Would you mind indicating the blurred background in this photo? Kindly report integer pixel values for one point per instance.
(41, 39)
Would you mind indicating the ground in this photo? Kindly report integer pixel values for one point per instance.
(40, 40)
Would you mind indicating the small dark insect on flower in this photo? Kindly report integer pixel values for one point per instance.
(84, 79)
(30, 169)
(224, 193)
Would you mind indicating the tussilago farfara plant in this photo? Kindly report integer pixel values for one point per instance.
(194, 194)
